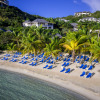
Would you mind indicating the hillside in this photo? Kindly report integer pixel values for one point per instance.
(12, 16)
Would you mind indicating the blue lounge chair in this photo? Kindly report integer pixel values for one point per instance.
(68, 70)
(48, 58)
(34, 64)
(15, 56)
(82, 65)
(23, 57)
(85, 66)
(24, 62)
(7, 55)
(81, 57)
(89, 75)
(21, 61)
(83, 73)
(63, 69)
(31, 63)
(64, 64)
(42, 60)
(50, 67)
(87, 59)
(48, 61)
(69, 56)
(67, 64)
(91, 67)
(46, 66)
(4, 58)
(78, 61)
(57, 58)
(65, 59)
(68, 59)
(11, 60)
(77, 57)
(51, 62)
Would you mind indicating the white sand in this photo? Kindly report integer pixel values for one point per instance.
(89, 88)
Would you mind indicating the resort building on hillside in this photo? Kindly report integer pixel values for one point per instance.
(64, 20)
(90, 19)
(75, 27)
(77, 14)
(4, 3)
(37, 22)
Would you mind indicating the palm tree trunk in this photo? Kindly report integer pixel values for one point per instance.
(73, 55)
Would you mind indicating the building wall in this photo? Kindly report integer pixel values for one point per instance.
(45, 25)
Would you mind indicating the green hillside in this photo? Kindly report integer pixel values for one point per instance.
(12, 16)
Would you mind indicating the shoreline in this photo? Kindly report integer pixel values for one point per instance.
(50, 76)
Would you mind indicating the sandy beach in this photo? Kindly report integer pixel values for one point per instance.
(89, 88)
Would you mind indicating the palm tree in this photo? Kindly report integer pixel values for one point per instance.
(95, 48)
(52, 48)
(74, 42)
(29, 44)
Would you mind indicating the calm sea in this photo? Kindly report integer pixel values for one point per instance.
(14, 86)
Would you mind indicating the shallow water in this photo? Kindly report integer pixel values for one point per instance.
(14, 86)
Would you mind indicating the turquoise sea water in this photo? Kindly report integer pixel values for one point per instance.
(14, 86)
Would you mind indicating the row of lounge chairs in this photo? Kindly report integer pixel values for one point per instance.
(89, 75)
(66, 70)
(48, 67)
(85, 66)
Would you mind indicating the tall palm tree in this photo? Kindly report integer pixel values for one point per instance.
(74, 42)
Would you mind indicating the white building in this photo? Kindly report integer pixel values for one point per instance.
(75, 27)
(4, 3)
(38, 22)
(89, 19)
(77, 14)
(64, 20)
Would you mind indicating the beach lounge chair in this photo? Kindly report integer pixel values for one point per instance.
(91, 67)
(64, 64)
(23, 57)
(50, 67)
(57, 58)
(34, 64)
(31, 63)
(68, 59)
(83, 73)
(81, 57)
(77, 57)
(48, 58)
(51, 62)
(24, 62)
(46, 66)
(68, 70)
(11, 60)
(87, 59)
(78, 61)
(65, 59)
(42, 60)
(67, 64)
(7, 55)
(69, 56)
(21, 61)
(85, 66)
(63, 69)
(89, 75)
(82, 65)
(15, 56)
(32, 59)
(4, 58)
